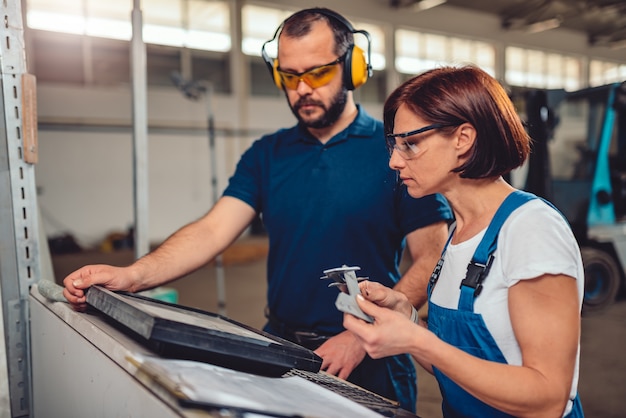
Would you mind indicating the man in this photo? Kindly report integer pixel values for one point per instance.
(327, 198)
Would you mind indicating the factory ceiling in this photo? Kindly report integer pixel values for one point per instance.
(603, 21)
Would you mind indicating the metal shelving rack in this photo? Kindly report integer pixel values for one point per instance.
(19, 248)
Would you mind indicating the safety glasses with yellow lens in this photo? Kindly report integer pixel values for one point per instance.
(314, 78)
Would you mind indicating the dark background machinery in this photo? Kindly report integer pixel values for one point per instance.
(579, 163)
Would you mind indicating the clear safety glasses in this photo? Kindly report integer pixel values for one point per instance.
(408, 148)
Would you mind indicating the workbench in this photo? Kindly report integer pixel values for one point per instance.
(84, 366)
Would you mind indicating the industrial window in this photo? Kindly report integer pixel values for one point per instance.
(605, 72)
(213, 67)
(258, 26)
(417, 52)
(261, 83)
(377, 36)
(80, 17)
(375, 89)
(161, 62)
(540, 69)
(193, 24)
(86, 42)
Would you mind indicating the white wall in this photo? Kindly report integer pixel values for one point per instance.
(85, 170)
(85, 173)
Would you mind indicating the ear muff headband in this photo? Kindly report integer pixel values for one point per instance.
(356, 67)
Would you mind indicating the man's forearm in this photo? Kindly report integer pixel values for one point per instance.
(183, 252)
(424, 246)
(195, 244)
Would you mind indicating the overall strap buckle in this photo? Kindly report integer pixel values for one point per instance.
(476, 273)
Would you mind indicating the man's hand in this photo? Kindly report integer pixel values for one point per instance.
(188, 249)
(341, 354)
(76, 283)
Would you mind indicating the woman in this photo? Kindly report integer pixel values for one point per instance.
(503, 333)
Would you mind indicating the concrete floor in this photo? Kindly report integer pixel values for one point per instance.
(603, 360)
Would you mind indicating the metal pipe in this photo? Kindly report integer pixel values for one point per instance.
(140, 133)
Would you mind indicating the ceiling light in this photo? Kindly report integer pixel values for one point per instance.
(617, 44)
(543, 25)
(426, 4)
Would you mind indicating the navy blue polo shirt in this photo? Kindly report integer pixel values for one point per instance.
(325, 205)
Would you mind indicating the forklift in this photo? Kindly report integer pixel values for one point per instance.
(578, 162)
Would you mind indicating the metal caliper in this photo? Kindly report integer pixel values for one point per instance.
(345, 278)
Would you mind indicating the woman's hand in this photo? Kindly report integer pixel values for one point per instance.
(392, 332)
(386, 297)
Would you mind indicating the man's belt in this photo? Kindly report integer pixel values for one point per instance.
(305, 337)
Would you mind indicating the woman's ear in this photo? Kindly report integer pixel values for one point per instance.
(465, 137)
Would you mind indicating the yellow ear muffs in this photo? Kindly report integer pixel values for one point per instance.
(355, 69)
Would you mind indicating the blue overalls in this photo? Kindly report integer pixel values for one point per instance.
(465, 329)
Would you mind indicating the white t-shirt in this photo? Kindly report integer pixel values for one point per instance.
(534, 240)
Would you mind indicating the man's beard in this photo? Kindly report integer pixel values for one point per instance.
(330, 115)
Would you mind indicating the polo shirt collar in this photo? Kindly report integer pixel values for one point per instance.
(362, 126)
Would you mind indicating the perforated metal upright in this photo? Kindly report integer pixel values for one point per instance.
(19, 249)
